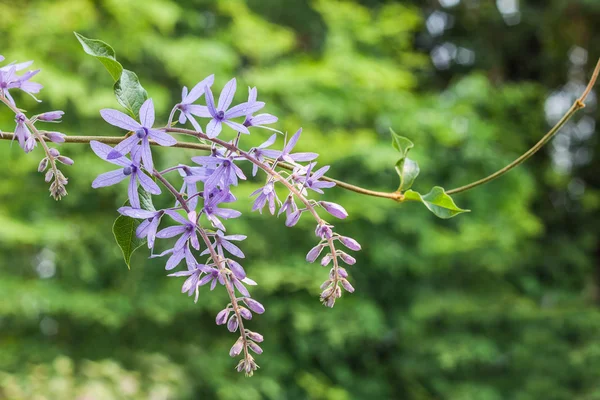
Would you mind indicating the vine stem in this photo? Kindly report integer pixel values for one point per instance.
(199, 146)
(216, 258)
(577, 105)
(396, 196)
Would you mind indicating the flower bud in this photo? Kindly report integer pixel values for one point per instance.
(326, 260)
(254, 305)
(65, 160)
(55, 137)
(54, 152)
(349, 288)
(222, 316)
(323, 231)
(314, 253)
(292, 219)
(51, 116)
(257, 337)
(327, 292)
(245, 313)
(43, 165)
(49, 175)
(342, 272)
(347, 258)
(255, 348)
(232, 324)
(237, 269)
(237, 347)
(334, 209)
(325, 284)
(350, 243)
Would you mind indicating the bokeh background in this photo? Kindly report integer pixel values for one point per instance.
(501, 303)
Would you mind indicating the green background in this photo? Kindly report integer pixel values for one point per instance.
(501, 303)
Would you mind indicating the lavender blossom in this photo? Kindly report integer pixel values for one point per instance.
(213, 212)
(51, 116)
(286, 155)
(10, 80)
(334, 209)
(191, 283)
(259, 153)
(148, 227)
(257, 120)
(311, 179)
(186, 231)
(222, 114)
(131, 169)
(186, 108)
(224, 171)
(143, 133)
(267, 193)
(23, 134)
(223, 242)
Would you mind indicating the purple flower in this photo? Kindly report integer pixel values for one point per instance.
(186, 108)
(23, 135)
(311, 180)
(225, 172)
(191, 176)
(186, 230)
(267, 193)
(222, 114)
(224, 242)
(259, 152)
(131, 169)
(191, 283)
(213, 276)
(286, 155)
(254, 305)
(10, 80)
(334, 209)
(349, 243)
(212, 211)
(142, 132)
(148, 227)
(257, 120)
(51, 116)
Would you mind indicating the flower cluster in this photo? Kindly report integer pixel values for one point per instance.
(207, 191)
(26, 132)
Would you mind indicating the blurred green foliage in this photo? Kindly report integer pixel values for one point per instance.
(498, 303)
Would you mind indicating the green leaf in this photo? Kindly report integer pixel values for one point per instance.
(437, 201)
(130, 93)
(407, 170)
(400, 143)
(124, 229)
(103, 52)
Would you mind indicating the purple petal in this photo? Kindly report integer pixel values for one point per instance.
(263, 119)
(290, 145)
(320, 172)
(147, 114)
(237, 269)
(123, 148)
(170, 232)
(162, 138)
(237, 126)
(226, 213)
(199, 89)
(200, 111)
(303, 157)
(147, 155)
(109, 178)
(233, 249)
(174, 260)
(210, 103)
(213, 128)
(136, 212)
(226, 96)
(134, 197)
(117, 118)
(244, 109)
(102, 150)
(147, 183)
(175, 215)
(269, 141)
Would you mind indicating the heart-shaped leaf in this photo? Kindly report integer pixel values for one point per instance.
(437, 201)
(103, 52)
(400, 143)
(130, 93)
